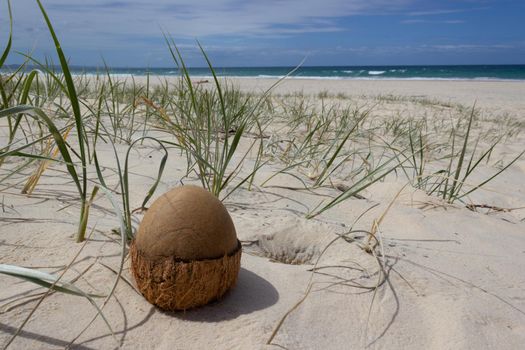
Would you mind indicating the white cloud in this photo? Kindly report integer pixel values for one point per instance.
(417, 21)
(438, 12)
(468, 47)
(106, 22)
(435, 12)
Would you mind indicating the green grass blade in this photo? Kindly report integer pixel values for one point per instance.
(73, 98)
(217, 84)
(162, 165)
(321, 179)
(359, 186)
(59, 140)
(10, 36)
(44, 279)
(462, 156)
(492, 177)
(449, 169)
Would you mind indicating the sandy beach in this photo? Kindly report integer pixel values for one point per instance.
(462, 91)
(395, 265)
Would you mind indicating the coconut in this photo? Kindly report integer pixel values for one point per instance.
(186, 252)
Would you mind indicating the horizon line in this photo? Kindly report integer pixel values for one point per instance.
(102, 66)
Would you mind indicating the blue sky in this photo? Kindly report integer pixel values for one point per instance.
(275, 32)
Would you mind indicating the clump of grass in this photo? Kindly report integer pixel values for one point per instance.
(457, 174)
(451, 183)
(209, 125)
(327, 143)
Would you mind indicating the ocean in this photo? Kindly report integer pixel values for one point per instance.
(445, 72)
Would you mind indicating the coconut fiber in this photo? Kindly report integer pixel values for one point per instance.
(172, 284)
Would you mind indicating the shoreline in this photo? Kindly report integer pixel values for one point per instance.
(307, 78)
(336, 72)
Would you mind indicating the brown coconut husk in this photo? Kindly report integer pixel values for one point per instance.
(187, 222)
(173, 284)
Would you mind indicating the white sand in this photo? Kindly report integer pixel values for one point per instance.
(505, 95)
(455, 277)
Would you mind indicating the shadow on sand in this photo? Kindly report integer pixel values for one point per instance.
(252, 293)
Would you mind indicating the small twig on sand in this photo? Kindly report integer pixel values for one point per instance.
(473, 207)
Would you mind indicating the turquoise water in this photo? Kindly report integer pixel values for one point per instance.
(479, 72)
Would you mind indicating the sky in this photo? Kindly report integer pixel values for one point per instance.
(272, 32)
